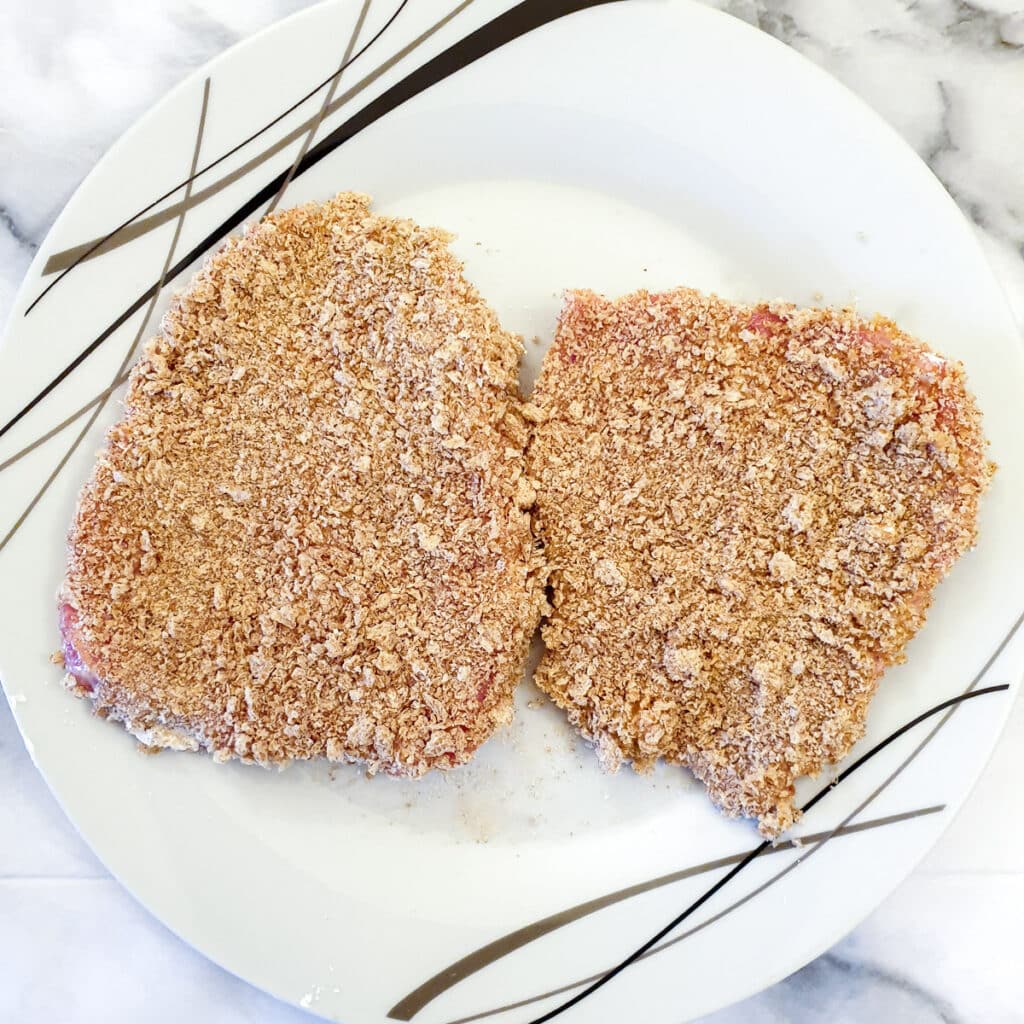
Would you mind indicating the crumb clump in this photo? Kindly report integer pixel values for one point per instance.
(745, 511)
(309, 535)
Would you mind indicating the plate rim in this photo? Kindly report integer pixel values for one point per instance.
(188, 82)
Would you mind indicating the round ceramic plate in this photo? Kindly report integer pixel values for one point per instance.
(610, 145)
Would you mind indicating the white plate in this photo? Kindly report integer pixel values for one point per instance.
(630, 144)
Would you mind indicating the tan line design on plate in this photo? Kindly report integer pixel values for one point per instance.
(89, 250)
(100, 400)
(209, 167)
(322, 112)
(54, 431)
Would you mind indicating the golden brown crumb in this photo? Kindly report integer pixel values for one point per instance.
(309, 534)
(745, 510)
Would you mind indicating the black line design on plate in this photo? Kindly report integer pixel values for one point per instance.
(66, 260)
(101, 400)
(507, 944)
(322, 112)
(66, 422)
(406, 1008)
(498, 32)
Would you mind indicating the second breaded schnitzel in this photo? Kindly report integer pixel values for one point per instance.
(745, 511)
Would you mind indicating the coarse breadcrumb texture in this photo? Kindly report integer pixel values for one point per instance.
(745, 510)
(309, 536)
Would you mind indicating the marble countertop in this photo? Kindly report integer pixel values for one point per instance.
(949, 75)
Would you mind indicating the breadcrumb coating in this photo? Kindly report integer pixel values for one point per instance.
(309, 535)
(745, 511)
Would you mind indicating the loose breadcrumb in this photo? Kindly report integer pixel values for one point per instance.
(745, 510)
(309, 535)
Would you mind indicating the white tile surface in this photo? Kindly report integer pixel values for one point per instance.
(36, 840)
(83, 951)
(945, 947)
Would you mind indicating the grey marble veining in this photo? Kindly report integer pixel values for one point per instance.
(837, 987)
(947, 74)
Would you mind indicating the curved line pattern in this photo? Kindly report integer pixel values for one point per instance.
(655, 947)
(704, 924)
(530, 933)
(68, 259)
(136, 228)
(415, 1001)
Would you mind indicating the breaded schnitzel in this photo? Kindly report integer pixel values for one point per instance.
(745, 511)
(309, 536)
